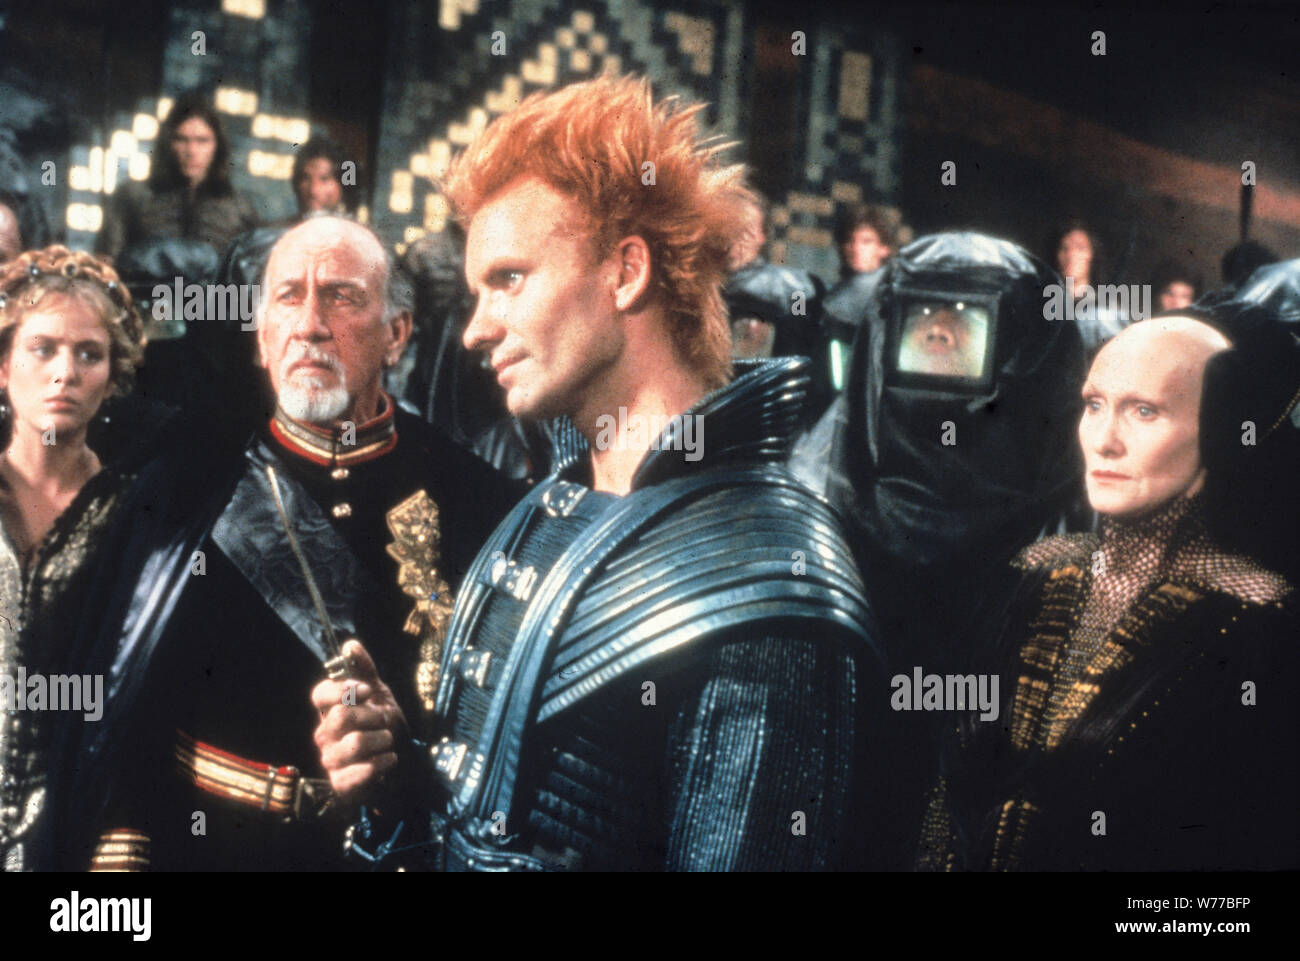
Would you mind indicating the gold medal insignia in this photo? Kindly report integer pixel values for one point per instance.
(415, 547)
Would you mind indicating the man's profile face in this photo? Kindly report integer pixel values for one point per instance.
(864, 252)
(317, 187)
(323, 336)
(1140, 426)
(545, 312)
(941, 339)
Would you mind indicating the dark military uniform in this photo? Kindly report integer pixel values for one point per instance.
(212, 684)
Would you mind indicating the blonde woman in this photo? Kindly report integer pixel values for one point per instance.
(69, 339)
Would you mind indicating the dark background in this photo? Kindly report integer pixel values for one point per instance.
(1144, 143)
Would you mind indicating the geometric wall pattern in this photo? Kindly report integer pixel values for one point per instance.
(450, 71)
(453, 65)
(447, 80)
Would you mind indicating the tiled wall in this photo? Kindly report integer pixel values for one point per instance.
(452, 65)
(444, 83)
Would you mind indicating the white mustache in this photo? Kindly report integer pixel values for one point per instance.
(315, 355)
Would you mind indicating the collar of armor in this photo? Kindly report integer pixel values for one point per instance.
(753, 418)
(338, 445)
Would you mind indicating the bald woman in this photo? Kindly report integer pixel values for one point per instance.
(1148, 675)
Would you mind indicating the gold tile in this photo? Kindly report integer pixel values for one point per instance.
(855, 85)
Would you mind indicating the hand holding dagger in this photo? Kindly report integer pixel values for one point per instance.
(360, 719)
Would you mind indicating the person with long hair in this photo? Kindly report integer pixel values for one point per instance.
(1077, 251)
(188, 194)
(69, 339)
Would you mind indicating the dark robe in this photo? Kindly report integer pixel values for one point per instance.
(224, 667)
(40, 610)
(1166, 742)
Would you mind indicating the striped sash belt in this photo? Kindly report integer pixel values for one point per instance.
(280, 790)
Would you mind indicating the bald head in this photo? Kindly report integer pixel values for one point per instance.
(11, 240)
(343, 236)
(330, 323)
(332, 232)
(1178, 342)
(1140, 427)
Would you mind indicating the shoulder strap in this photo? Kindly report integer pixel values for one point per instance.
(251, 533)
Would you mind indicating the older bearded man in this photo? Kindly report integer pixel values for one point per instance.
(224, 632)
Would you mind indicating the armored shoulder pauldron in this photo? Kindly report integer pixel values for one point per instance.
(665, 566)
(763, 552)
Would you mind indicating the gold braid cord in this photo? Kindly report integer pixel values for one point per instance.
(416, 548)
(121, 849)
(27, 268)
(1037, 722)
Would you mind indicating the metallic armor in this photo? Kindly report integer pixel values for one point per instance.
(662, 680)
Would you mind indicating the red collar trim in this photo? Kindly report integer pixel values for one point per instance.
(326, 445)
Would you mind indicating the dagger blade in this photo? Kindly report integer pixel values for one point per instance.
(336, 666)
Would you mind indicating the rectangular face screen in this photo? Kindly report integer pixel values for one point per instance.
(943, 338)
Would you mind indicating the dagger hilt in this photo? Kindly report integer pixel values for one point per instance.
(339, 667)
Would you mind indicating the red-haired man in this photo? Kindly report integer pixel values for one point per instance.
(654, 663)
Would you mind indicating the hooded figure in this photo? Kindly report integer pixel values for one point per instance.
(775, 311)
(952, 445)
(1251, 487)
(1274, 286)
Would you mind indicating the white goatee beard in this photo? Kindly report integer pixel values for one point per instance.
(314, 405)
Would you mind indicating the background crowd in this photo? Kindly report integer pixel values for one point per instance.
(952, 373)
